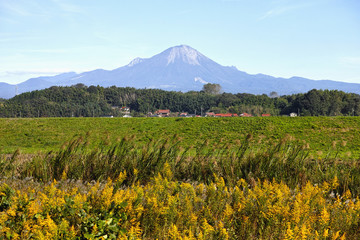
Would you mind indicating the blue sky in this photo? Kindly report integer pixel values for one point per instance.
(317, 39)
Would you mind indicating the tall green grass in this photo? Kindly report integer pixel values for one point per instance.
(285, 160)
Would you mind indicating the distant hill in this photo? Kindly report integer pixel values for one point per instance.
(82, 101)
(180, 68)
(7, 90)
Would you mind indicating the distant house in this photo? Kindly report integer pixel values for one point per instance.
(245, 115)
(183, 114)
(209, 114)
(266, 115)
(163, 112)
(293, 114)
(127, 116)
(125, 110)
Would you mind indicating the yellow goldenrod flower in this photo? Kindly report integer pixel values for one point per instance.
(325, 216)
(326, 233)
(336, 235)
(289, 234)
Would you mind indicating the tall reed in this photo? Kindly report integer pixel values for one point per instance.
(286, 160)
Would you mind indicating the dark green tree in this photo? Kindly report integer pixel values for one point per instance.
(212, 88)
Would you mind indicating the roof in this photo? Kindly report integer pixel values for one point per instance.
(163, 111)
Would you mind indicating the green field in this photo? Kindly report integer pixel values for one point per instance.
(324, 135)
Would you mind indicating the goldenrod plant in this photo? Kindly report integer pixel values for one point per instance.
(168, 209)
(165, 191)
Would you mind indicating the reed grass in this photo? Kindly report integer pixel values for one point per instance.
(286, 160)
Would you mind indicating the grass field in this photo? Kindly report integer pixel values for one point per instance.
(180, 178)
(324, 135)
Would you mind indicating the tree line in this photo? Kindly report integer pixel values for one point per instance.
(96, 101)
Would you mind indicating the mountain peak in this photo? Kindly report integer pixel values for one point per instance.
(185, 53)
(135, 61)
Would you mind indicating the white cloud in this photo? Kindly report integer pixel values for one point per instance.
(12, 7)
(24, 8)
(284, 9)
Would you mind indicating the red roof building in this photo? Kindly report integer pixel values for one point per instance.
(163, 112)
(245, 115)
(266, 115)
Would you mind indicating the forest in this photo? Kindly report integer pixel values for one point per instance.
(96, 101)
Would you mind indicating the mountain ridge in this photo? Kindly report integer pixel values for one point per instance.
(180, 68)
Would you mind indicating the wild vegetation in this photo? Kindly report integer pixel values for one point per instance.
(285, 160)
(180, 178)
(168, 209)
(83, 101)
(123, 191)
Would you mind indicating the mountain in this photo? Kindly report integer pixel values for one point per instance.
(7, 90)
(180, 68)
